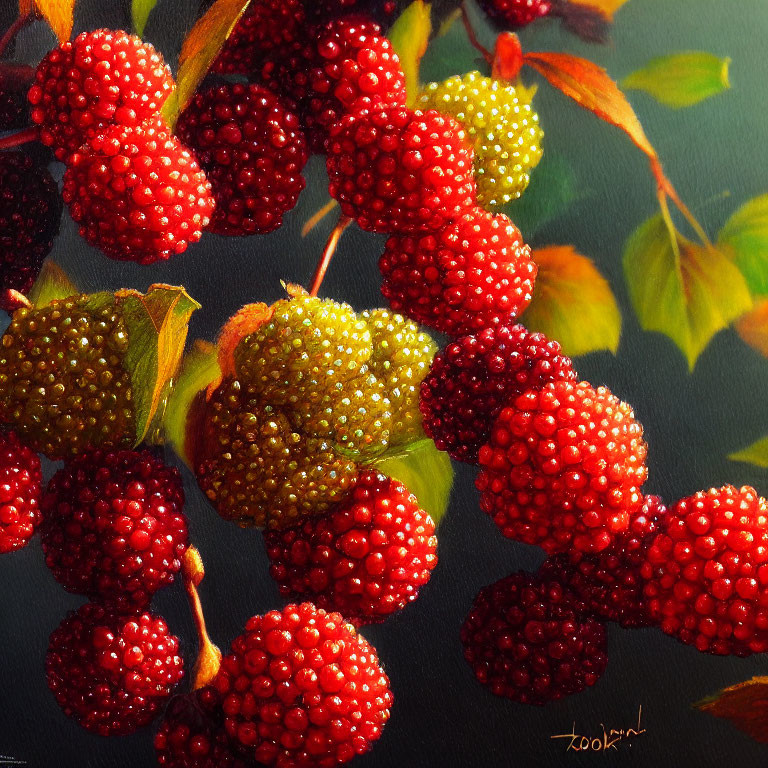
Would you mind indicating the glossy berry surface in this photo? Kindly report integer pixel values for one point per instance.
(20, 478)
(114, 528)
(610, 583)
(516, 13)
(367, 558)
(563, 468)
(476, 375)
(707, 572)
(252, 150)
(102, 78)
(527, 640)
(401, 171)
(474, 273)
(112, 673)
(301, 688)
(137, 193)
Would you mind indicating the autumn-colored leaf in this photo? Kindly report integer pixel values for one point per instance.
(199, 51)
(752, 327)
(58, 13)
(245, 321)
(608, 7)
(140, 10)
(744, 705)
(25, 7)
(573, 303)
(745, 238)
(690, 298)
(409, 36)
(52, 283)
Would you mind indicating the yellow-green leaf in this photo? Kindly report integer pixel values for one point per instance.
(744, 705)
(688, 299)
(608, 7)
(753, 327)
(157, 326)
(745, 238)
(573, 303)
(52, 283)
(409, 36)
(756, 454)
(140, 10)
(58, 13)
(199, 51)
(199, 368)
(681, 79)
(426, 472)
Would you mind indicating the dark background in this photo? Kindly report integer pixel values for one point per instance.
(717, 155)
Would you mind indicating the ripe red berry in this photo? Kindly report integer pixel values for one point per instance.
(301, 688)
(113, 526)
(138, 193)
(20, 478)
(112, 673)
(474, 273)
(398, 170)
(707, 572)
(526, 639)
(366, 559)
(516, 13)
(348, 66)
(474, 377)
(563, 468)
(100, 79)
(610, 583)
(253, 152)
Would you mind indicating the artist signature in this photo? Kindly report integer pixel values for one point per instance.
(605, 741)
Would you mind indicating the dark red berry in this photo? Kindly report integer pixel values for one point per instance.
(112, 673)
(474, 377)
(319, 11)
(707, 572)
(366, 559)
(14, 109)
(100, 79)
(563, 468)
(253, 152)
(20, 478)
(301, 688)
(138, 193)
(113, 526)
(526, 639)
(516, 13)
(398, 170)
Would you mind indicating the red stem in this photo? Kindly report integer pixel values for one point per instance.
(328, 251)
(14, 30)
(473, 38)
(20, 137)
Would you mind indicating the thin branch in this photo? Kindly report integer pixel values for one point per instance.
(487, 55)
(14, 30)
(327, 255)
(20, 137)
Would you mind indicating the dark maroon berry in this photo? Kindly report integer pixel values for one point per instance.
(20, 478)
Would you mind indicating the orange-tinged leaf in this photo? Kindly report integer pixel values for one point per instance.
(591, 87)
(60, 15)
(744, 705)
(573, 302)
(25, 7)
(753, 327)
(246, 320)
(608, 7)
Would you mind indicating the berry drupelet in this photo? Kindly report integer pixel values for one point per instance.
(300, 687)
(527, 639)
(113, 527)
(516, 13)
(20, 478)
(252, 150)
(112, 673)
(563, 468)
(367, 558)
(474, 377)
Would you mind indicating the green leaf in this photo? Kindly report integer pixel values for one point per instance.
(690, 298)
(199, 369)
(573, 303)
(409, 36)
(52, 283)
(756, 454)
(426, 472)
(157, 326)
(745, 238)
(140, 10)
(681, 79)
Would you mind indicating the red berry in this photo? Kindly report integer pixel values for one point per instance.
(301, 688)
(112, 673)
(347, 67)
(516, 13)
(526, 639)
(30, 212)
(253, 152)
(20, 478)
(474, 377)
(610, 583)
(113, 526)
(707, 572)
(563, 468)
(102, 78)
(138, 193)
(398, 170)
(474, 273)
(366, 559)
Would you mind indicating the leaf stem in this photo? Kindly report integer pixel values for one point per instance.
(327, 255)
(472, 37)
(665, 214)
(14, 30)
(20, 137)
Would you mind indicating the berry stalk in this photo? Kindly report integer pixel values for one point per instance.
(472, 37)
(327, 255)
(20, 137)
(14, 29)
